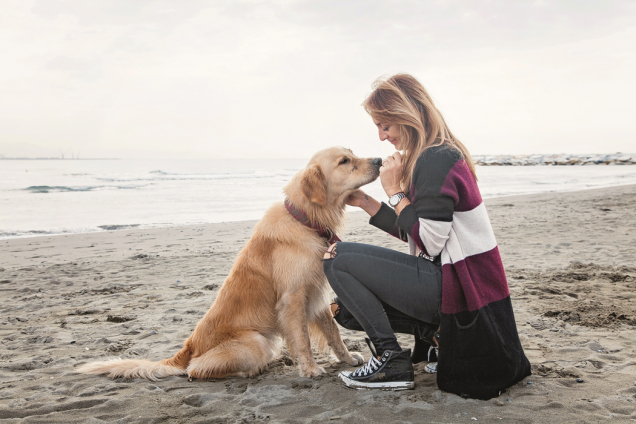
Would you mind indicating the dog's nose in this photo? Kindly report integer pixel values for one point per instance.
(377, 162)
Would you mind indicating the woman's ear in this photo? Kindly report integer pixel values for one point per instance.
(313, 185)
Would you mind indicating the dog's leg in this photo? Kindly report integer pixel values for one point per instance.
(324, 321)
(246, 355)
(292, 319)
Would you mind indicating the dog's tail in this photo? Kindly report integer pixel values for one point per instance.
(140, 368)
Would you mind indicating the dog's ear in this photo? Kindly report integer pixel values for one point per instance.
(313, 185)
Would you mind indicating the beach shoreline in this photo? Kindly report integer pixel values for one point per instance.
(59, 200)
(73, 298)
(205, 237)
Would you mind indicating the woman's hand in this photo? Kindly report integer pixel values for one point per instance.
(391, 174)
(362, 200)
(357, 198)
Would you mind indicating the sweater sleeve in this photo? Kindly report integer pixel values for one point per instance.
(428, 219)
(385, 219)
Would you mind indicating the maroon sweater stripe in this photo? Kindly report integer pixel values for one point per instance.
(460, 184)
(473, 283)
(415, 236)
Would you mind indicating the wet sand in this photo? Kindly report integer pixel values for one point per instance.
(67, 300)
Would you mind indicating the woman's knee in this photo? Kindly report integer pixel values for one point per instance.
(335, 259)
(339, 248)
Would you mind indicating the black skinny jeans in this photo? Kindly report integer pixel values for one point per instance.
(385, 291)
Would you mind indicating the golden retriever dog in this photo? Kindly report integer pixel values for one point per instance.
(276, 289)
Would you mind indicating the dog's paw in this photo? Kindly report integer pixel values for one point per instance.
(357, 359)
(312, 372)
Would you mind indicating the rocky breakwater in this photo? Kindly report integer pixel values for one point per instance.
(528, 160)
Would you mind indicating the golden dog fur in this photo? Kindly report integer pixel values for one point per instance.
(276, 288)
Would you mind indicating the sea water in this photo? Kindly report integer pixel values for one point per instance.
(39, 197)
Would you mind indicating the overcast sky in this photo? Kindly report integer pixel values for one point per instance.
(139, 78)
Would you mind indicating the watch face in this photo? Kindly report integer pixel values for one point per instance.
(395, 199)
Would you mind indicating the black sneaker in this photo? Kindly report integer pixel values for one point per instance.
(392, 371)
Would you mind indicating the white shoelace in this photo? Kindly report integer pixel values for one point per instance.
(430, 349)
(372, 366)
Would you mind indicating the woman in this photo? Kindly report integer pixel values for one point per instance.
(453, 279)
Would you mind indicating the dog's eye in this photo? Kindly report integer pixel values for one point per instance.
(344, 161)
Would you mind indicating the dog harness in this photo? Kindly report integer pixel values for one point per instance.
(301, 217)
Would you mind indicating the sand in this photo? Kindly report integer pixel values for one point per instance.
(67, 300)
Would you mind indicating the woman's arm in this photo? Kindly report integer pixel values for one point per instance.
(403, 203)
(429, 217)
(428, 220)
(362, 200)
(382, 216)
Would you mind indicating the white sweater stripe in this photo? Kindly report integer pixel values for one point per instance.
(434, 235)
(471, 234)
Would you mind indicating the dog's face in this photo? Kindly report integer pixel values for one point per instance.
(334, 173)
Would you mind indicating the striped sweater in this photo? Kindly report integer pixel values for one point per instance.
(480, 354)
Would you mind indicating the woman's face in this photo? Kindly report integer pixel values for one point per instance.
(390, 132)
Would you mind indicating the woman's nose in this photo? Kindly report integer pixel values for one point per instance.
(383, 135)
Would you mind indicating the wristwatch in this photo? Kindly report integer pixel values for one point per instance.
(395, 199)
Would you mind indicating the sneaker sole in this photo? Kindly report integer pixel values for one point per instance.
(387, 385)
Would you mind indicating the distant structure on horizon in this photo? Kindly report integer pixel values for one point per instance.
(28, 152)
(73, 154)
(562, 159)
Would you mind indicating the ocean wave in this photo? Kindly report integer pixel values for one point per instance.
(8, 234)
(197, 177)
(117, 227)
(160, 172)
(11, 234)
(243, 172)
(230, 173)
(61, 189)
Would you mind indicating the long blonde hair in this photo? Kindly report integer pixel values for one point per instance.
(402, 100)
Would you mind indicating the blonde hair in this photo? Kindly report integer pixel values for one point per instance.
(402, 100)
